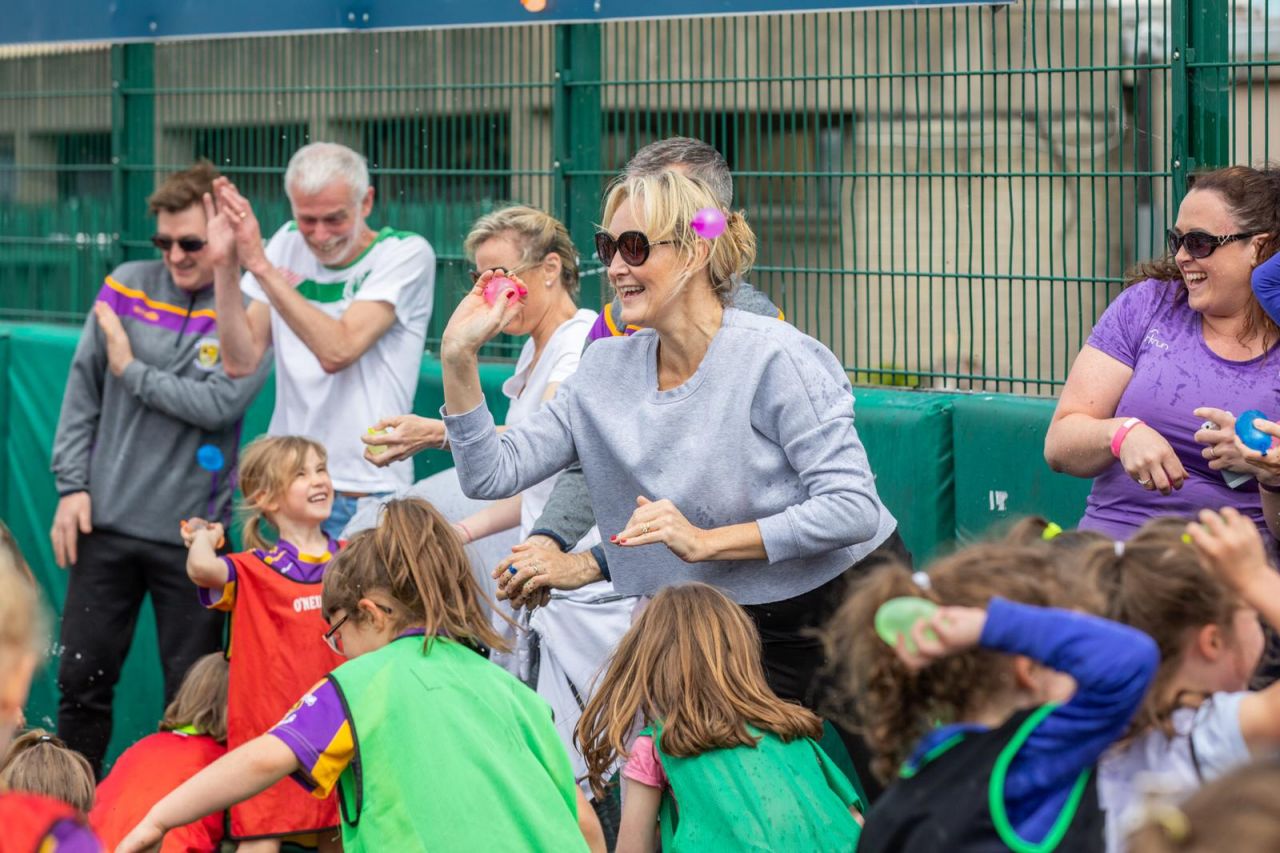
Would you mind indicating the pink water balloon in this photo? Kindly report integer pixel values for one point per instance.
(708, 223)
(500, 284)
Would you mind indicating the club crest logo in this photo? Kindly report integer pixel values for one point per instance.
(207, 352)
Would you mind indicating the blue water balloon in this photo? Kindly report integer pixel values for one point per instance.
(1251, 436)
(210, 458)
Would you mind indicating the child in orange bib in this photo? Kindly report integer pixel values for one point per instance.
(276, 650)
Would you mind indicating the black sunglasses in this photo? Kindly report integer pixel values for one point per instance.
(1200, 245)
(188, 244)
(633, 245)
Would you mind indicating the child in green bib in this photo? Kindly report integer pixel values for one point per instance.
(430, 746)
(722, 763)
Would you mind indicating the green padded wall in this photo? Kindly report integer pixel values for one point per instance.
(908, 439)
(1000, 472)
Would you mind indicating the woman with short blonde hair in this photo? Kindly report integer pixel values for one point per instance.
(717, 446)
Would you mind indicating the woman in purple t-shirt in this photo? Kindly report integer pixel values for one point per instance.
(1185, 345)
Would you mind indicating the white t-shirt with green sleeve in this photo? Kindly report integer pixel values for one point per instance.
(398, 268)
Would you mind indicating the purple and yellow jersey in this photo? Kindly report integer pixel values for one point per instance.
(606, 326)
(128, 302)
(284, 558)
(319, 734)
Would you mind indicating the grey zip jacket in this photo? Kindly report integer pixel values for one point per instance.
(135, 442)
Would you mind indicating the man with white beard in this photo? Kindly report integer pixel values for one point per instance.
(344, 306)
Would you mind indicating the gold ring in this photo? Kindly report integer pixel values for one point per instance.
(243, 215)
(644, 531)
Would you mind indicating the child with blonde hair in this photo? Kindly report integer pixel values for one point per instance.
(40, 763)
(721, 763)
(27, 821)
(993, 712)
(192, 735)
(273, 595)
(429, 744)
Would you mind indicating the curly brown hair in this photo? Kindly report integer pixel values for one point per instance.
(894, 707)
(1253, 198)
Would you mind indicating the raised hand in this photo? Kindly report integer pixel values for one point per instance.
(220, 235)
(475, 322)
(244, 224)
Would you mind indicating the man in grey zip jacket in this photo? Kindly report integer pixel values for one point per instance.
(147, 437)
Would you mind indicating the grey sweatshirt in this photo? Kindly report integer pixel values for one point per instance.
(763, 431)
(567, 515)
(131, 441)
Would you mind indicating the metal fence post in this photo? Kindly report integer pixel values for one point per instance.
(133, 122)
(578, 137)
(1202, 88)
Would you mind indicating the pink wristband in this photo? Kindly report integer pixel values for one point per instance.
(466, 531)
(1121, 434)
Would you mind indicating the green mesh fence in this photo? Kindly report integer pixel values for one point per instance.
(946, 197)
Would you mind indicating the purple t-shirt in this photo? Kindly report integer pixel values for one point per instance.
(1174, 373)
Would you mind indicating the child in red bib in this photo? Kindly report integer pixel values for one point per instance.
(273, 596)
(193, 735)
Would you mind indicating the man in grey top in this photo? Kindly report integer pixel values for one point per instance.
(147, 437)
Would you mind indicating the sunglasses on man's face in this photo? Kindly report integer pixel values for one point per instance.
(634, 247)
(189, 245)
(1200, 245)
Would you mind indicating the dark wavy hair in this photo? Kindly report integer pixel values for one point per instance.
(1253, 198)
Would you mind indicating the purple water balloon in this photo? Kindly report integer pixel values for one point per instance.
(708, 223)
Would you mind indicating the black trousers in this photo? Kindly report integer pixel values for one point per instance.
(793, 656)
(104, 594)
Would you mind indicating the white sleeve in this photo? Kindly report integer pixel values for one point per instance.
(569, 345)
(1216, 738)
(565, 365)
(404, 278)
